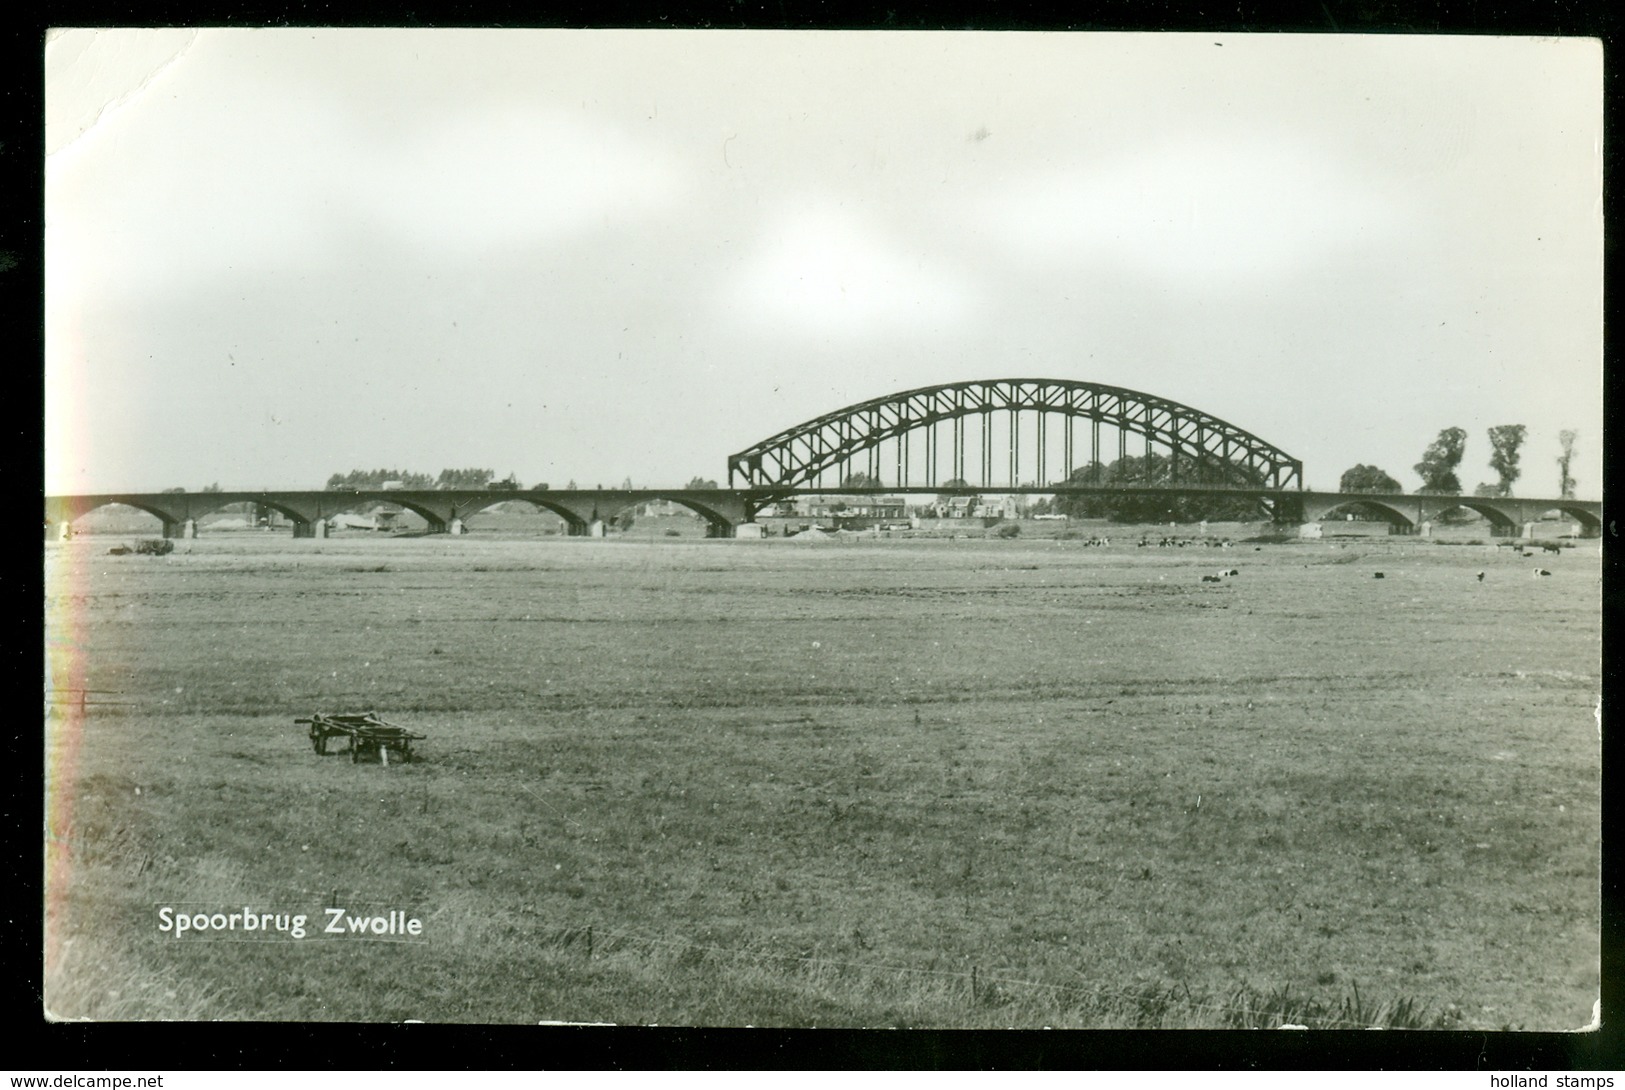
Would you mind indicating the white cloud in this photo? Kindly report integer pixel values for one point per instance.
(821, 271)
(235, 168)
(1197, 207)
(482, 179)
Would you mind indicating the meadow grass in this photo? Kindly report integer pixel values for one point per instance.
(1002, 783)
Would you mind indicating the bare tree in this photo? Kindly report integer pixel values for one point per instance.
(1566, 483)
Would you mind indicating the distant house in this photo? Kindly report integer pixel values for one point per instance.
(858, 507)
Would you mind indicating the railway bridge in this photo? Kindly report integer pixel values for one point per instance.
(1034, 436)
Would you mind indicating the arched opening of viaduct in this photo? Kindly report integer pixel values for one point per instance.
(581, 512)
(1507, 515)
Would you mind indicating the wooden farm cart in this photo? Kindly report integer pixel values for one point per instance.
(368, 733)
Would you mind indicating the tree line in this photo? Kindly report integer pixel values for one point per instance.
(372, 480)
(1151, 471)
(1444, 455)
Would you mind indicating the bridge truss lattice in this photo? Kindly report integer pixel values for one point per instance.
(930, 436)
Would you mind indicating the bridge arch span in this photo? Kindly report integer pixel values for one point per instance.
(431, 510)
(1500, 521)
(302, 519)
(717, 523)
(1389, 513)
(1195, 447)
(67, 514)
(572, 519)
(436, 516)
(1590, 522)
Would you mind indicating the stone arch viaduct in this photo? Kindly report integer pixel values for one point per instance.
(1038, 436)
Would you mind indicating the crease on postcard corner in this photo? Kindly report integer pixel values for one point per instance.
(91, 73)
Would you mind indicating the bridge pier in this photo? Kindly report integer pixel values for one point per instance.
(180, 528)
(455, 527)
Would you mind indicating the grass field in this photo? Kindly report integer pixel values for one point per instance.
(922, 783)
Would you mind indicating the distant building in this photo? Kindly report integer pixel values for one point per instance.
(858, 507)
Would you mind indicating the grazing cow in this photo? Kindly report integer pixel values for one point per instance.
(1232, 571)
(1377, 575)
(1550, 548)
(1211, 579)
(1540, 572)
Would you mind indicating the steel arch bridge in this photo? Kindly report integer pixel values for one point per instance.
(974, 417)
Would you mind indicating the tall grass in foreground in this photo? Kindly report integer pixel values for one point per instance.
(924, 997)
(87, 982)
(644, 979)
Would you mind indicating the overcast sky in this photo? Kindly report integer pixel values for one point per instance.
(273, 255)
